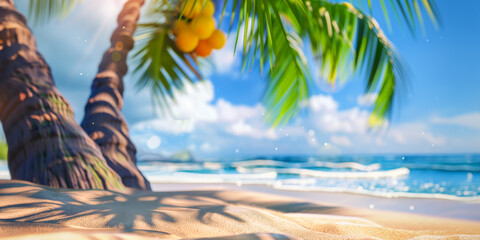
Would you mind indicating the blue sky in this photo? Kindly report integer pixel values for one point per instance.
(223, 115)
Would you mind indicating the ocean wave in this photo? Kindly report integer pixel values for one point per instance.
(172, 167)
(300, 184)
(5, 175)
(394, 173)
(375, 174)
(443, 167)
(180, 177)
(350, 165)
(274, 163)
(471, 199)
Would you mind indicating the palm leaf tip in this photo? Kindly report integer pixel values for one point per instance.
(162, 67)
(42, 11)
(344, 41)
(359, 46)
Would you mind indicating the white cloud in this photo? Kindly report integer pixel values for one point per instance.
(166, 125)
(328, 129)
(224, 59)
(193, 102)
(227, 112)
(340, 140)
(194, 106)
(470, 120)
(240, 120)
(398, 136)
(367, 100)
(154, 142)
(323, 103)
(415, 133)
(348, 121)
(327, 116)
(208, 147)
(240, 128)
(192, 147)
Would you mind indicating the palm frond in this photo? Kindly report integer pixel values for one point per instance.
(162, 66)
(288, 75)
(344, 40)
(406, 11)
(3, 150)
(348, 42)
(43, 10)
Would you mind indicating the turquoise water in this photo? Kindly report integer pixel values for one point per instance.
(455, 177)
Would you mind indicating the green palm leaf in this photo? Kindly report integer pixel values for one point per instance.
(344, 41)
(405, 11)
(161, 66)
(3, 150)
(43, 10)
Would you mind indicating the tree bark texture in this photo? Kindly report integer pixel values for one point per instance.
(103, 119)
(46, 145)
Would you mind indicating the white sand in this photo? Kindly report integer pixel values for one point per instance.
(29, 211)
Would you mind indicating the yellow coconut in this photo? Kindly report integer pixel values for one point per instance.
(217, 39)
(203, 49)
(186, 40)
(191, 8)
(208, 9)
(203, 26)
(179, 26)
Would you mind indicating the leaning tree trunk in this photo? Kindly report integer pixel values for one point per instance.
(46, 145)
(103, 119)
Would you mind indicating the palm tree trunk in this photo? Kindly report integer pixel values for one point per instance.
(46, 145)
(103, 119)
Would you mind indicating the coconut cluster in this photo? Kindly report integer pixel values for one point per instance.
(196, 32)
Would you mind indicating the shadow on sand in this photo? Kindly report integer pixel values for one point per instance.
(155, 213)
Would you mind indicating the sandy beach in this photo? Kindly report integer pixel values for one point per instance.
(29, 211)
(456, 209)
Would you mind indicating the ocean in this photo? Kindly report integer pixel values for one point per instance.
(453, 177)
(450, 177)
